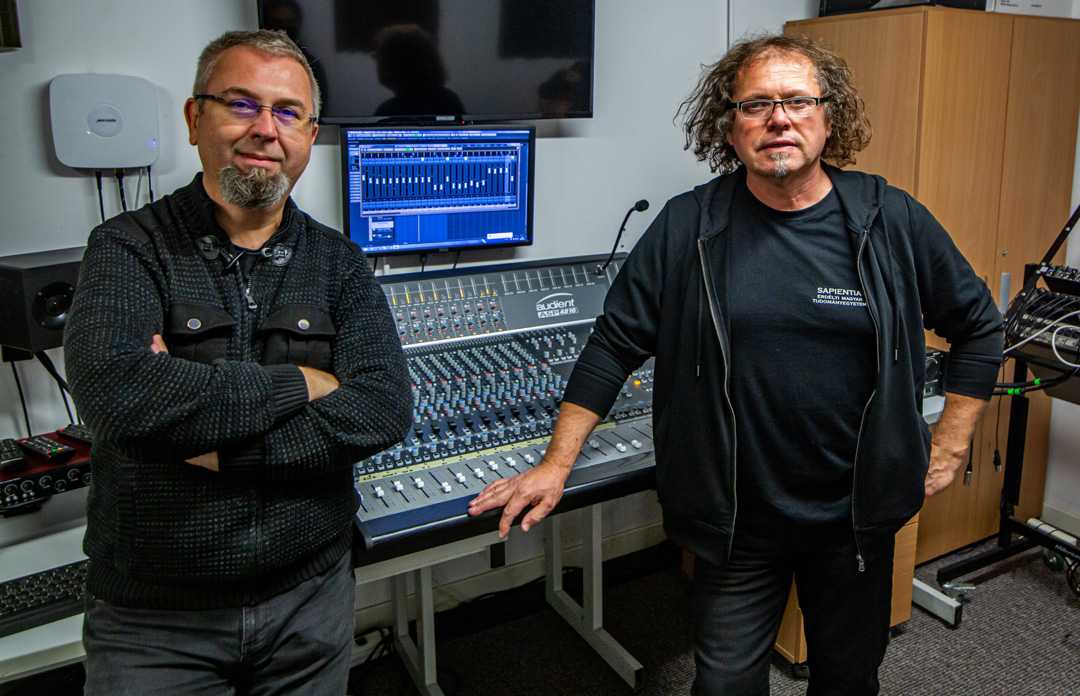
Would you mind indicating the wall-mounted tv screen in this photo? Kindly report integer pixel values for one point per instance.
(414, 190)
(475, 60)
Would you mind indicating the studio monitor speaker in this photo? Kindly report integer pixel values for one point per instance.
(36, 291)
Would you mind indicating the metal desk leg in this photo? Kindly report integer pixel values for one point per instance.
(587, 620)
(419, 657)
(937, 603)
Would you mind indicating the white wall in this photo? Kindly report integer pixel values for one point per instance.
(753, 18)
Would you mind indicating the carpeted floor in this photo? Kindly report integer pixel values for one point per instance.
(1020, 636)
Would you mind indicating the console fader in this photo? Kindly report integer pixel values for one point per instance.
(489, 351)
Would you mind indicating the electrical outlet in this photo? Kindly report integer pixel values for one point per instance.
(364, 645)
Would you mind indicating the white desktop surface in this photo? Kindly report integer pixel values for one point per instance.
(55, 644)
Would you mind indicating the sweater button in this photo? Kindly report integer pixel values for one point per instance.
(303, 324)
(194, 324)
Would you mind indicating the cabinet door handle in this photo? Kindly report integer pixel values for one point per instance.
(1004, 286)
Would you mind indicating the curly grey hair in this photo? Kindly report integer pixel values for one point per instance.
(708, 118)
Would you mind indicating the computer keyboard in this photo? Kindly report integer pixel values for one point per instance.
(41, 598)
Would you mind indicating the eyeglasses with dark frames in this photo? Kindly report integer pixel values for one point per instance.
(247, 109)
(762, 109)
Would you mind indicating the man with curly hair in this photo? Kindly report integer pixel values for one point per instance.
(784, 302)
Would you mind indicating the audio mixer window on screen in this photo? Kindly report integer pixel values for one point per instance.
(427, 189)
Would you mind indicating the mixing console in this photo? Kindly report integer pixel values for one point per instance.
(489, 352)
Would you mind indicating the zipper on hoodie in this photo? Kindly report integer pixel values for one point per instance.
(861, 563)
(714, 313)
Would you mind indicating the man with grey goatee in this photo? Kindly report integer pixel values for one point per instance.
(233, 358)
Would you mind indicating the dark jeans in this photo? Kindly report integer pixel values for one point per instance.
(737, 608)
(298, 642)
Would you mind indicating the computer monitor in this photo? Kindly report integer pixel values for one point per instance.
(415, 190)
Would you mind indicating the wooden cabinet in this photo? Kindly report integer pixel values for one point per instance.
(975, 114)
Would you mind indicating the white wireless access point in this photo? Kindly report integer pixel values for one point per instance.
(104, 121)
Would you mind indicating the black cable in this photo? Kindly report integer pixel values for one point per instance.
(997, 427)
(120, 186)
(149, 183)
(67, 406)
(22, 400)
(61, 383)
(423, 262)
(457, 257)
(138, 187)
(1062, 236)
(374, 264)
(47, 363)
(100, 194)
(1037, 384)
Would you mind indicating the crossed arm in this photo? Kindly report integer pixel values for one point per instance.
(287, 422)
(319, 384)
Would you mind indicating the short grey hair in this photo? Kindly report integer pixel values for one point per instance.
(273, 42)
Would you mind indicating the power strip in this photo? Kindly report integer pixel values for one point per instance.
(364, 645)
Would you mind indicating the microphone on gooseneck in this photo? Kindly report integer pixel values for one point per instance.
(641, 206)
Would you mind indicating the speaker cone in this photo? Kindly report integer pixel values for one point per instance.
(51, 305)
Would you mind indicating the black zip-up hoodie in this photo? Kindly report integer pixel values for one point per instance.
(670, 301)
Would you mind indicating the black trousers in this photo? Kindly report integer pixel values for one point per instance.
(299, 642)
(737, 608)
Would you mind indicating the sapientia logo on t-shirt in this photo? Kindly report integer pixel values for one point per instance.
(843, 297)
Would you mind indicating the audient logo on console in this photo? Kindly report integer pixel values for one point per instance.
(559, 304)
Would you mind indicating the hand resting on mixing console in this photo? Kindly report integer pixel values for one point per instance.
(319, 384)
(541, 487)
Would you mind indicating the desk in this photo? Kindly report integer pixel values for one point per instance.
(60, 642)
(55, 644)
(585, 618)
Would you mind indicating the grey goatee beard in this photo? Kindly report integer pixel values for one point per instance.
(256, 189)
(780, 158)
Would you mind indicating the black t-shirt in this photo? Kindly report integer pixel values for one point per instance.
(248, 258)
(802, 363)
